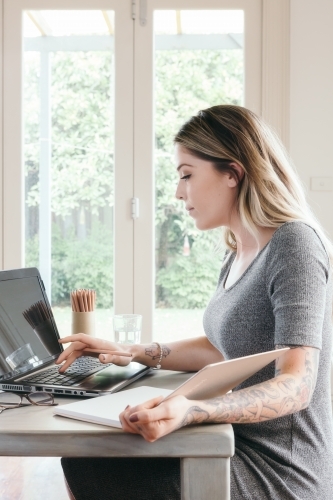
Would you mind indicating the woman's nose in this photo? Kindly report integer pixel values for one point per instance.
(179, 192)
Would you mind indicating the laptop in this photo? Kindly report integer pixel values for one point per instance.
(29, 346)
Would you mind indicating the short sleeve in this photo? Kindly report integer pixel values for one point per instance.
(297, 277)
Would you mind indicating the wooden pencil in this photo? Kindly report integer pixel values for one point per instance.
(83, 300)
(76, 301)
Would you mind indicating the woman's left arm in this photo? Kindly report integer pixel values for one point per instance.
(288, 392)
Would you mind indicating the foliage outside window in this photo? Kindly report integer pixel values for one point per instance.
(83, 170)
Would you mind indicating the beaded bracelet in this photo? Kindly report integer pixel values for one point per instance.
(159, 366)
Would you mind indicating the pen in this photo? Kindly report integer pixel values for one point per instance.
(108, 351)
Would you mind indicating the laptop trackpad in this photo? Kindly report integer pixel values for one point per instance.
(112, 375)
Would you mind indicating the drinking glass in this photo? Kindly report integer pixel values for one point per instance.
(127, 328)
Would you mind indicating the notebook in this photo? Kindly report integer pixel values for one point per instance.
(213, 380)
(27, 354)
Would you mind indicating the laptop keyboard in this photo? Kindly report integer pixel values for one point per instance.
(79, 370)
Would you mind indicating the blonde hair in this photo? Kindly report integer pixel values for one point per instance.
(270, 192)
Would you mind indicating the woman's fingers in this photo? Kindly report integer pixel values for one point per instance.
(147, 405)
(125, 416)
(74, 347)
(113, 358)
(151, 403)
(151, 414)
(87, 340)
(80, 345)
(69, 360)
(73, 338)
(154, 418)
(81, 341)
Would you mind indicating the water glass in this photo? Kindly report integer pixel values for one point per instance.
(24, 355)
(127, 328)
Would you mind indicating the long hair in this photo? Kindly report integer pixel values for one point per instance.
(269, 193)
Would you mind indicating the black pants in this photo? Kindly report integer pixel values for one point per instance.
(123, 478)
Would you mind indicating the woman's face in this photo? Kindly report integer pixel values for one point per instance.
(209, 196)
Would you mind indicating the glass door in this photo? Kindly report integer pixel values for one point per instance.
(93, 91)
(204, 53)
(63, 78)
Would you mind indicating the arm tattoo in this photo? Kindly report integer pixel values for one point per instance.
(283, 395)
(194, 415)
(154, 353)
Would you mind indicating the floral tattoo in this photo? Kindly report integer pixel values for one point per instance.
(283, 395)
(154, 353)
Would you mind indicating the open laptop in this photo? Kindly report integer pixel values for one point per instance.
(29, 346)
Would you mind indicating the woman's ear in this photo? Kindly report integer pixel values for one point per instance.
(234, 180)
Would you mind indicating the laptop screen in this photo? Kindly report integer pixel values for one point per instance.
(28, 334)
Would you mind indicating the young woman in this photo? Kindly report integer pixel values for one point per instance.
(274, 290)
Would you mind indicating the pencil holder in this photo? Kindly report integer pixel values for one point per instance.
(83, 322)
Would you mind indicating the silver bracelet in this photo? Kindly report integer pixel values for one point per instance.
(158, 366)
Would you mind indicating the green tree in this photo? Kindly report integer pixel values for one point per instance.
(83, 169)
(186, 81)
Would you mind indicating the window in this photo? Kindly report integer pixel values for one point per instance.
(68, 117)
(92, 98)
(198, 63)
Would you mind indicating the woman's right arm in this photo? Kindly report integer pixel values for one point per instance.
(183, 355)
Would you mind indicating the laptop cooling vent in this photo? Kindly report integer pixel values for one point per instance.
(12, 387)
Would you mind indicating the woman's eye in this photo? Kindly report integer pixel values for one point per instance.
(185, 177)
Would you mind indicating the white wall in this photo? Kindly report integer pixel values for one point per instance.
(311, 99)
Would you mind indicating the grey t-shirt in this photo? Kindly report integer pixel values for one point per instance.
(284, 297)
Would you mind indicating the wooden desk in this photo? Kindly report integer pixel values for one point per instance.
(204, 450)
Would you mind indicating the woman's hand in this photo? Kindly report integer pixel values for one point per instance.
(155, 418)
(81, 343)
